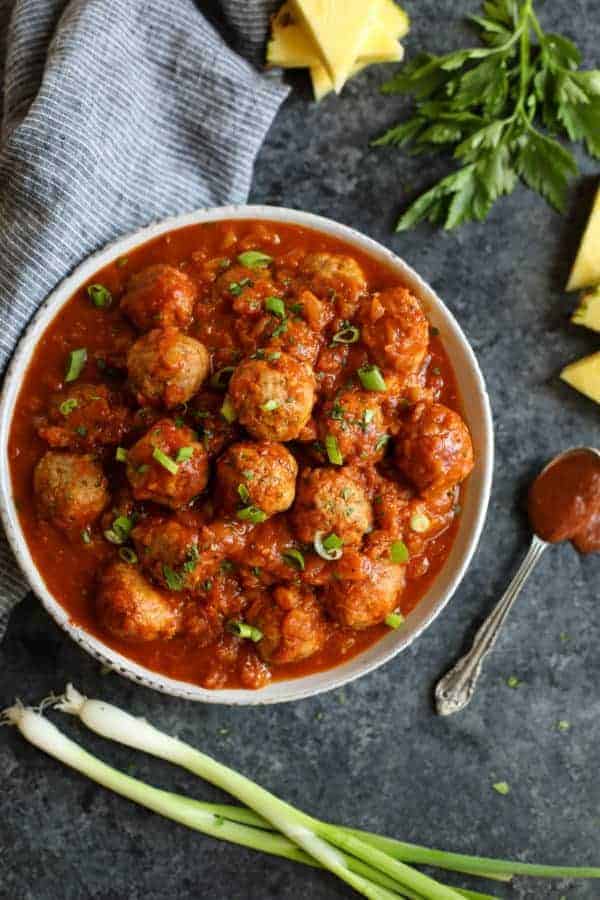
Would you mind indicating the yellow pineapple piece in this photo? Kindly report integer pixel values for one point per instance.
(584, 376)
(588, 311)
(586, 269)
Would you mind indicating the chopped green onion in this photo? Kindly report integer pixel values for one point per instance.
(119, 532)
(248, 474)
(242, 629)
(371, 378)
(382, 442)
(191, 559)
(243, 492)
(399, 552)
(368, 416)
(143, 468)
(563, 725)
(81, 430)
(501, 787)
(274, 356)
(333, 451)
(513, 682)
(99, 295)
(251, 514)
(270, 405)
(67, 406)
(165, 461)
(76, 360)
(128, 555)
(221, 378)
(174, 579)
(121, 454)
(348, 335)
(86, 536)
(419, 522)
(328, 548)
(281, 329)
(254, 259)
(236, 287)
(394, 620)
(276, 306)
(184, 453)
(228, 410)
(294, 558)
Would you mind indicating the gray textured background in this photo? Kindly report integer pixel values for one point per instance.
(374, 754)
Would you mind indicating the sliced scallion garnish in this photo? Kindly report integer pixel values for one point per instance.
(243, 493)
(276, 306)
(228, 410)
(121, 454)
(99, 295)
(254, 259)
(128, 555)
(348, 335)
(76, 360)
(333, 451)
(221, 378)
(328, 547)
(120, 530)
(251, 514)
(399, 552)
(371, 378)
(394, 620)
(165, 461)
(419, 522)
(294, 558)
(183, 454)
(270, 405)
(67, 406)
(243, 630)
(174, 579)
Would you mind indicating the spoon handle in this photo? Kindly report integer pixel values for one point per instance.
(456, 688)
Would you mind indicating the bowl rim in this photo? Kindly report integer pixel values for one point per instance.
(278, 691)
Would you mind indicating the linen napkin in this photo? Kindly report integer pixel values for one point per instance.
(117, 113)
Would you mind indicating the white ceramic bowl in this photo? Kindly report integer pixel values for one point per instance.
(476, 409)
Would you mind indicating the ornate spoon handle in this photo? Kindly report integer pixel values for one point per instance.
(456, 688)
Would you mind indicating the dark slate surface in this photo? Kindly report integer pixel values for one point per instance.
(374, 754)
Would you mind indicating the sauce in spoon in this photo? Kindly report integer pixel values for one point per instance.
(564, 501)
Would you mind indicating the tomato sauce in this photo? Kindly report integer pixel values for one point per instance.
(70, 567)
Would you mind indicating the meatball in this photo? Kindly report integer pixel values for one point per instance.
(295, 337)
(84, 416)
(395, 330)
(169, 552)
(70, 489)
(257, 474)
(368, 585)
(292, 623)
(331, 501)
(434, 448)
(354, 422)
(160, 295)
(273, 397)
(166, 367)
(167, 465)
(335, 276)
(131, 609)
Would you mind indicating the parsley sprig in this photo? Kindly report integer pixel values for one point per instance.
(487, 105)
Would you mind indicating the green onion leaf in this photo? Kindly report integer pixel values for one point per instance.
(254, 259)
(270, 405)
(394, 620)
(67, 406)
(371, 378)
(128, 555)
(184, 453)
(399, 552)
(294, 558)
(76, 360)
(221, 378)
(174, 580)
(228, 411)
(86, 536)
(281, 329)
(333, 451)
(243, 630)
(419, 522)
(120, 530)
(165, 461)
(251, 514)
(276, 306)
(243, 492)
(328, 548)
(99, 295)
(121, 454)
(348, 335)
(368, 416)
(381, 443)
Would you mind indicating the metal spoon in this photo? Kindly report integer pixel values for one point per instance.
(457, 687)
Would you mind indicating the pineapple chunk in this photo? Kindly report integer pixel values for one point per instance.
(586, 269)
(584, 376)
(588, 311)
(291, 46)
(322, 83)
(339, 29)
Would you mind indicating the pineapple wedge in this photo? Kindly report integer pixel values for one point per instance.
(322, 83)
(588, 311)
(584, 376)
(586, 269)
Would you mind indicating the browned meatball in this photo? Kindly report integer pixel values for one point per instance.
(262, 475)
(395, 330)
(70, 489)
(84, 416)
(292, 623)
(158, 296)
(368, 585)
(166, 367)
(354, 422)
(292, 336)
(131, 609)
(273, 398)
(167, 465)
(434, 448)
(169, 552)
(334, 276)
(331, 501)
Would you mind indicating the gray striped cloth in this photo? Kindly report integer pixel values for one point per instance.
(116, 113)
